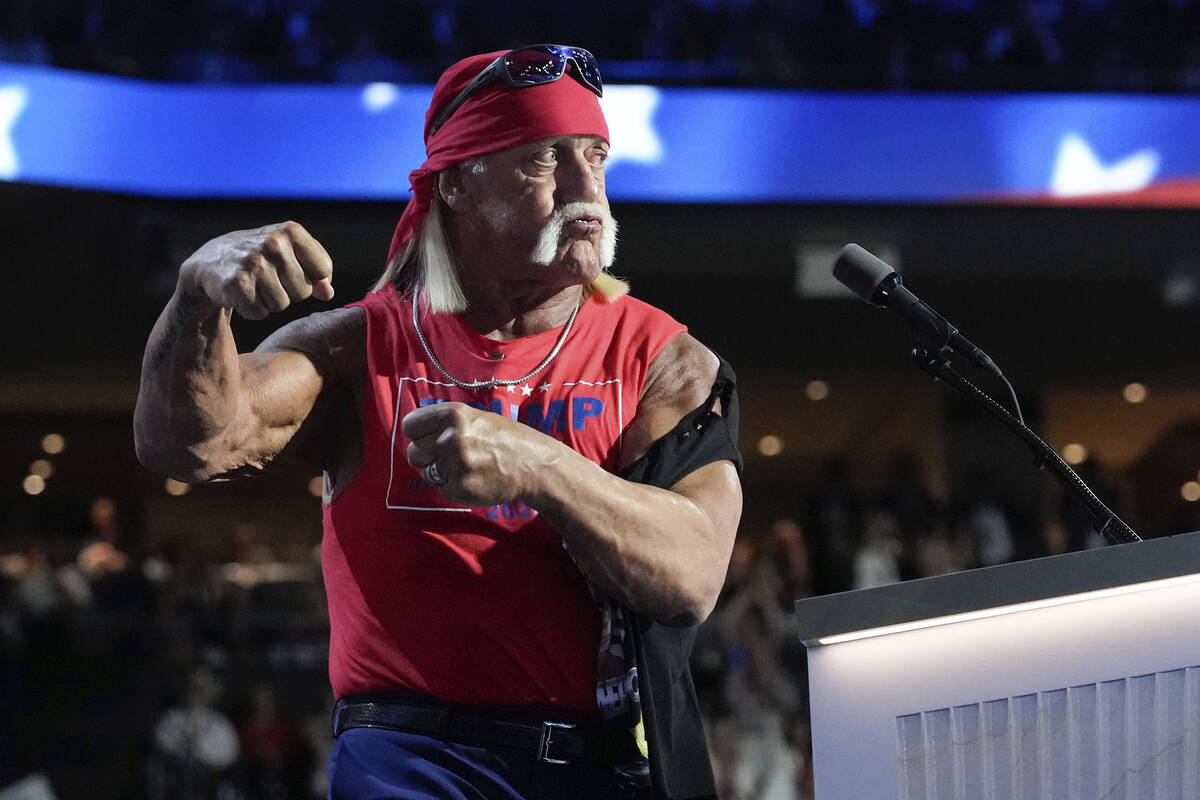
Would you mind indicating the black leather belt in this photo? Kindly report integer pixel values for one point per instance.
(548, 741)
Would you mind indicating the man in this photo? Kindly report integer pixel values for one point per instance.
(523, 466)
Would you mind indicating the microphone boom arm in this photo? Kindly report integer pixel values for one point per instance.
(928, 356)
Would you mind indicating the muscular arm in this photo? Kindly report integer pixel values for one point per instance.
(663, 552)
(203, 410)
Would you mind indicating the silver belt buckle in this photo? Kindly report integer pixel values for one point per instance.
(544, 742)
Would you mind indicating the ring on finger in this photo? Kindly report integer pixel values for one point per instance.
(433, 475)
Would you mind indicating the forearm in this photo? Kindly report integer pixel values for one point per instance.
(657, 550)
(190, 387)
(661, 551)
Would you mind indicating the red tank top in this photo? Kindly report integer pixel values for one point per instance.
(475, 605)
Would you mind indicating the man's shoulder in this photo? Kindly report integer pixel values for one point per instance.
(684, 376)
(629, 306)
(635, 322)
(683, 366)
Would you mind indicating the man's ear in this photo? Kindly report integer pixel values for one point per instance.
(452, 189)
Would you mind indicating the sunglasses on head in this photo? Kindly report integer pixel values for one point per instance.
(528, 66)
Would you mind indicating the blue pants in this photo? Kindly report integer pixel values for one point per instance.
(376, 764)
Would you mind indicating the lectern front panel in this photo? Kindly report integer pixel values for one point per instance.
(1090, 699)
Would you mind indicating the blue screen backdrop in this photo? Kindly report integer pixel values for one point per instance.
(669, 144)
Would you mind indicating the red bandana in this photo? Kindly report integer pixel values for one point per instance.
(495, 118)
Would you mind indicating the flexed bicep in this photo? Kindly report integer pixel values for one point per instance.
(203, 409)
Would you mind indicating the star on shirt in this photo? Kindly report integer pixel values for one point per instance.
(512, 388)
(545, 387)
(526, 390)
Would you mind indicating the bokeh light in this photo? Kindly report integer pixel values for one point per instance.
(816, 390)
(1134, 393)
(1074, 453)
(770, 445)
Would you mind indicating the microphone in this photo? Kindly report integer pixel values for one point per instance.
(877, 283)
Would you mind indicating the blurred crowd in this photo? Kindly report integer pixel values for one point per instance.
(1107, 45)
(176, 671)
(196, 669)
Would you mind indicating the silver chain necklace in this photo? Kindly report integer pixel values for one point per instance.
(493, 382)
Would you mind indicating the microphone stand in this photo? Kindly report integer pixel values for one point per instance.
(930, 358)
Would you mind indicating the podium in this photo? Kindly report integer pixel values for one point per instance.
(1073, 677)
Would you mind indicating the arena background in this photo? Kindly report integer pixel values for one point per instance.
(123, 596)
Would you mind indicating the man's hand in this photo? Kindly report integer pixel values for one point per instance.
(261, 271)
(485, 459)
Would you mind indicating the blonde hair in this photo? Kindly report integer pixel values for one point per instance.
(425, 262)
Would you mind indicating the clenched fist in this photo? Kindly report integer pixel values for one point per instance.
(261, 271)
(483, 458)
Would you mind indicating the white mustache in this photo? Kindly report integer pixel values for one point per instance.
(551, 233)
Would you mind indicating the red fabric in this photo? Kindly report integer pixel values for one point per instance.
(475, 606)
(495, 118)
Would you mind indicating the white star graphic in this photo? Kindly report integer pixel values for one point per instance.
(1078, 171)
(630, 111)
(512, 388)
(526, 390)
(545, 387)
(378, 97)
(12, 103)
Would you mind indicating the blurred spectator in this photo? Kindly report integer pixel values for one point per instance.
(913, 509)
(275, 761)
(20, 40)
(877, 562)
(247, 546)
(1190, 68)
(315, 729)
(762, 679)
(303, 43)
(984, 522)
(37, 591)
(799, 737)
(110, 562)
(104, 551)
(194, 746)
(191, 600)
(898, 63)
(833, 520)
(215, 58)
(860, 44)
(46, 590)
(1026, 41)
(785, 551)
(761, 765)
(710, 653)
(944, 551)
(365, 62)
